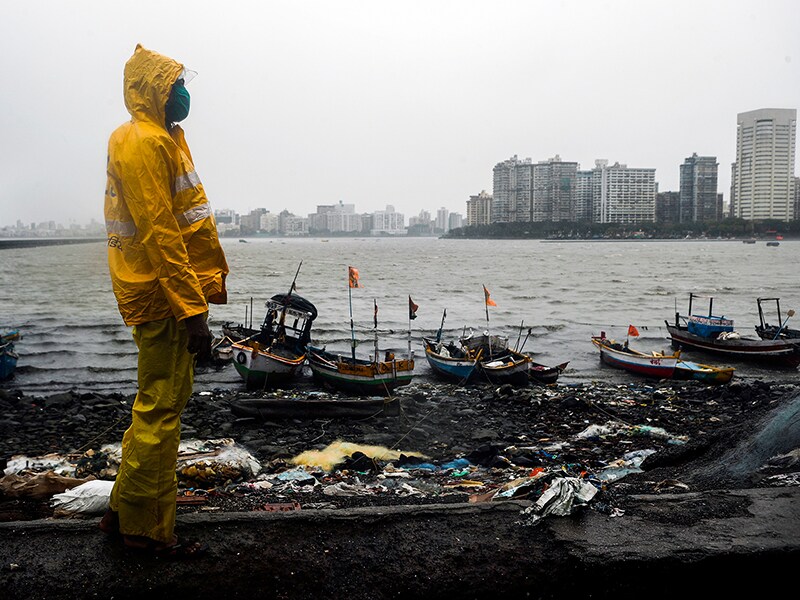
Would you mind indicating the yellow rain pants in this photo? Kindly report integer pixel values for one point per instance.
(146, 486)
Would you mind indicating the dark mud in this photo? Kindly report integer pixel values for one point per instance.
(506, 432)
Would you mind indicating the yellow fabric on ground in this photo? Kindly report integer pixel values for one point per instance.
(337, 451)
(146, 486)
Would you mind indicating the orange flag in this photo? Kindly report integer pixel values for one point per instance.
(489, 301)
(633, 331)
(352, 275)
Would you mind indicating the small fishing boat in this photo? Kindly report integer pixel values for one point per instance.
(449, 361)
(715, 334)
(496, 362)
(685, 369)
(773, 244)
(655, 364)
(358, 376)
(276, 351)
(543, 374)
(8, 357)
(773, 332)
(749, 241)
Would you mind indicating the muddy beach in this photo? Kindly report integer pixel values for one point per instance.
(498, 434)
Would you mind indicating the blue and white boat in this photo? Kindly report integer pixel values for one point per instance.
(449, 361)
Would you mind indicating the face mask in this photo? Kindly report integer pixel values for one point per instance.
(177, 107)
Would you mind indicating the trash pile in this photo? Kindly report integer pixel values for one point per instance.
(559, 448)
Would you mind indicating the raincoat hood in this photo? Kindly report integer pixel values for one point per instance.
(147, 81)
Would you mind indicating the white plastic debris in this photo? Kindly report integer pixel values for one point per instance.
(90, 498)
(562, 497)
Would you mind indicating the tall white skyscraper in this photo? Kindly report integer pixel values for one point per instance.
(763, 174)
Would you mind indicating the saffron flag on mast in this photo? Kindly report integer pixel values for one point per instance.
(633, 331)
(352, 276)
(489, 301)
(412, 309)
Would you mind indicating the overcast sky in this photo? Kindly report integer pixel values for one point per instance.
(409, 103)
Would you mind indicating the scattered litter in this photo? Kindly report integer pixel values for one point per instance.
(629, 463)
(279, 507)
(90, 498)
(562, 498)
(36, 485)
(615, 428)
(671, 484)
(338, 451)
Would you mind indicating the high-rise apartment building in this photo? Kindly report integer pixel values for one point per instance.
(763, 174)
(668, 207)
(479, 209)
(623, 195)
(698, 189)
(442, 222)
(583, 196)
(511, 190)
(525, 192)
(554, 190)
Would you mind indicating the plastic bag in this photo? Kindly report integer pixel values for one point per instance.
(90, 498)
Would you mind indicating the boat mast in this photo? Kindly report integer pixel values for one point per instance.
(375, 328)
(282, 323)
(352, 327)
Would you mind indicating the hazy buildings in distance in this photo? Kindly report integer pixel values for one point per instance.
(762, 182)
(479, 209)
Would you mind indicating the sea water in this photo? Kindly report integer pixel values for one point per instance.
(551, 298)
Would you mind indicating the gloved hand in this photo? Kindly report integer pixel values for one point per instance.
(199, 337)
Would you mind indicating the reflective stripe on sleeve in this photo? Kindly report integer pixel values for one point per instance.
(197, 213)
(185, 182)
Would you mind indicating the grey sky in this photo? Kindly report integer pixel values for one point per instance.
(407, 103)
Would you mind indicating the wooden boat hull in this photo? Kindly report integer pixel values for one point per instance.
(460, 370)
(362, 378)
(778, 353)
(656, 365)
(543, 374)
(509, 367)
(261, 367)
(700, 372)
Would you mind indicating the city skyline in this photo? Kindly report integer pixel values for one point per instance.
(375, 104)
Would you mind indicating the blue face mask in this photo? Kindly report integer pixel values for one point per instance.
(177, 108)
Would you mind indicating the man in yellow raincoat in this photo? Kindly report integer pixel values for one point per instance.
(166, 265)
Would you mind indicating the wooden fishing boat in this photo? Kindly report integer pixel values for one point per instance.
(543, 374)
(496, 362)
(655, 364)
(773, 332)
(8, 357)
(449, 361)
(715, 334)
(277, 351)
(685, 369)
(360, 377)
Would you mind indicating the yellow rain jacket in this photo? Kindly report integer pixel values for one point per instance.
(163, 251)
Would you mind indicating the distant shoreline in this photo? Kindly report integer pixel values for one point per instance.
(8, 243)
